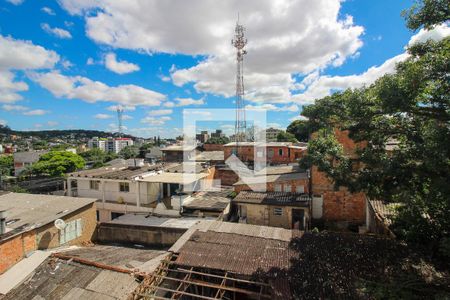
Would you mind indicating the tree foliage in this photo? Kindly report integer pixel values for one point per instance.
(408, 111)
(129, 152)
(6, 165)
(300, 129)
(427, 13)
(218, 140)
(58, 163)
(98, 157)
(286, 137)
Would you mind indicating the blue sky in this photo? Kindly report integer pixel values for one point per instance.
(66, 64)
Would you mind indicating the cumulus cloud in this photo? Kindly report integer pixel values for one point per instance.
(285, 37)
(78, 87)
(48, 10)
(272, 107)
(3, 122)
(10, 107)
(123, 107)
(169, 104)
(160, 112)
(36, 112)
(15, 2)
(156, 120)
(119, 67)
(102, 116)
(55, 31)
(189, 101)
(436, 34)
(20, 55)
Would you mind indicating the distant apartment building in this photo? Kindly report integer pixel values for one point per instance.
(272, 134)
(22, 160)
(114, 145)
(178, 153)
(202, 137)
(217, 134)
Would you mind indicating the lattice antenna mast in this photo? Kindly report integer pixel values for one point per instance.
(119, 119)
(239, 43)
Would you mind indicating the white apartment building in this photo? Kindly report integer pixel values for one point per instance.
(110, 144)
(120, 190)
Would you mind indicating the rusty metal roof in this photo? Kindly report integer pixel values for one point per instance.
(234, 252)
(272, 198)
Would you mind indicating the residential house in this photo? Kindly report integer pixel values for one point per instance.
(178, 153)
(28, 224)
(278, 209)
(22, 160)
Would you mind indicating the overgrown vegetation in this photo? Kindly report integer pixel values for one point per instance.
(410, 109)
(57, 163)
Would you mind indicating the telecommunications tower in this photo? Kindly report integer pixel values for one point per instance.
(239, 43)
(119, 119)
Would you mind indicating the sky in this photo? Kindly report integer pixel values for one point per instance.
(67, 64)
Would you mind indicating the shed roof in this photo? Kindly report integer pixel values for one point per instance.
(210, 156)
(27, 211)
(119, 173)
(272, 198)
(209, 201)
(272, 178)
(179, 148)
(179, 178)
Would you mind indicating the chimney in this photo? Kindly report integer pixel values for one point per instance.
(2, 221)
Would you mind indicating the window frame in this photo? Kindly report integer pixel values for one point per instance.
(124, 184)
(277, 211)
(97, 183)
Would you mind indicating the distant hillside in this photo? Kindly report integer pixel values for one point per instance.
(50, 134)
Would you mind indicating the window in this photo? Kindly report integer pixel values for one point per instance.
(94, 185)
(124, 187)
(278, 188)
(280, 152)
(270, 152)
(72, 230)
(300, 189)
(115, 215)
(278, 211)
(287, 188)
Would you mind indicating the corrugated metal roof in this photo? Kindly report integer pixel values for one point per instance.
(212, 201)
(180, 178)
(272, 178)
(210, 156)
(234, 252)
(120, 173)
(272, 198)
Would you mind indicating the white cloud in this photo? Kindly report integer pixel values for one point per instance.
(119, 67)
(298, 118)
(36, 112)
(160, 112)
(285, 37)
(15, 2)
(10, 107)
(436, 34)
(102, 116)
(272, 107)
(48, 10)
(127, 117)
(124, 107)
(169, 104)
(90, 61)
(78, 87)
(164, 78)
(66, 64)
(55, 31)
(156, 120)
(188, 101)
(20, 55)
(52, 123)
(3, 122)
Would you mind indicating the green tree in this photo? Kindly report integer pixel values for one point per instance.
(144, 149)
(286, 137)
(129, 152)
(427, 13)
(218, 140)
(6, 165)
(410, 109)
(300, 129)
(58, 163)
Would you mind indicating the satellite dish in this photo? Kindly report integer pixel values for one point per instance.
(60, 224)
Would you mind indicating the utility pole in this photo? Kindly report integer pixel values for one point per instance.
(119, 119)
(239, 43)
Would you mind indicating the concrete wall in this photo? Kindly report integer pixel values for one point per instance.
(48, 235)
(264, 215)
(142, 235)
(213, 147)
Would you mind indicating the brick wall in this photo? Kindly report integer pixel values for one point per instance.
(226, 176)
(14, 249)
(213, 147)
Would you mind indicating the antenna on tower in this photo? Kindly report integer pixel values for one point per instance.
(239, 43)
(119, 119)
